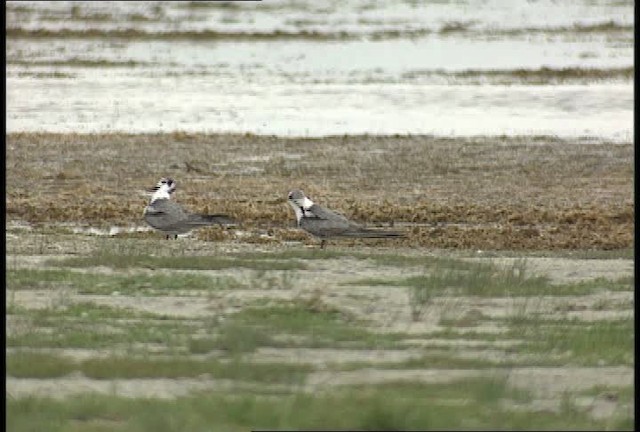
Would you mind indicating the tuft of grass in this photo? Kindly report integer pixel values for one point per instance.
(590, 344)
(480, 279)
(459, 278)
(263, 279)
(470, 318)
(202, 345)
(311, 324)
(237, 338)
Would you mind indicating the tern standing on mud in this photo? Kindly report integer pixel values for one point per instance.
(170, 218)
(325, 223)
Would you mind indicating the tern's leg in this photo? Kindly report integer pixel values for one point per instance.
(322, 243)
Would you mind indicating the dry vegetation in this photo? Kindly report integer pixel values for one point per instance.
(480, 193)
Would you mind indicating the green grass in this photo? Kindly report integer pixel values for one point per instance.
(237, 338)
(127, 284)
(380, 259)
(121, 261)
(233, 338)
(263, 279)
(463, 404)
(84, 313)
(463, 334)
(427, 361)
(296, 254)
(86, 327)
(183, 348)
(624, 394)
(202, 345)
(581, 343)
(477, 279)
(121, 367)
(40, 365)
(626, 283)
(470, 318)
(459, 278)
(622, 253)
(312, 326)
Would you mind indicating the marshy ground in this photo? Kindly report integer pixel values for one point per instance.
(511, 299)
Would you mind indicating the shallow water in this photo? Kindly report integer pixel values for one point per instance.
(322, 68)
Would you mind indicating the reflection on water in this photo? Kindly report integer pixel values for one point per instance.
(323, 67)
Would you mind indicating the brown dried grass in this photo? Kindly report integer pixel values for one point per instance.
(481, 193)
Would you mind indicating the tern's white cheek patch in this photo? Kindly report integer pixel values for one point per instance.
(162, 192)
(306, 203)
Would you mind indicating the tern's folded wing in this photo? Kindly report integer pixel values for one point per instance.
(326, 214)
(164, 214)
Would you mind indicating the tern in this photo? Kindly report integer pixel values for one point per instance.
(170, 218)
(325, 223)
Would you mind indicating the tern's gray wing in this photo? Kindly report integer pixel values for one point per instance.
(323, 213)
(166, 215)
(323, 222)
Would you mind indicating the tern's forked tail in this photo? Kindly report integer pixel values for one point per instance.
(372, 233)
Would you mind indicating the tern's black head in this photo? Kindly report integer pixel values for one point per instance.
(296, 195)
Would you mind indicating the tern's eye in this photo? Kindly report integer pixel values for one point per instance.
(290, 195)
